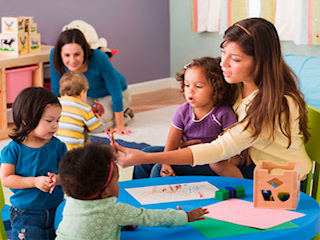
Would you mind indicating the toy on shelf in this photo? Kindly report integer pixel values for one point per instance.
(276, 186)
(91, 36)
(19, 36)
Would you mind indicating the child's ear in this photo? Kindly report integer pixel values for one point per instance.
(83, 93)
(104, 193)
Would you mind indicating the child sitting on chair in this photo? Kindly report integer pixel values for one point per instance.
(89, 176)
(77, 117)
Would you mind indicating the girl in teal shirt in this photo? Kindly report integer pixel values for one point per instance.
(29, 164)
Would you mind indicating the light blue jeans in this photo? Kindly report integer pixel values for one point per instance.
(32, 224)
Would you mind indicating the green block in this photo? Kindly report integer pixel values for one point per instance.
(222, 194)
(240, 193)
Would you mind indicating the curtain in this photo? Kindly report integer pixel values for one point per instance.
(295, 20)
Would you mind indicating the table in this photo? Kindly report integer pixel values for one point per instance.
(309, 224)
(19, 61)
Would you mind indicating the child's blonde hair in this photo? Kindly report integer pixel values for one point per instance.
(72, 84)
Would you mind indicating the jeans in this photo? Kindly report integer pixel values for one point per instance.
(32, 224)
(144, 170)
(153, 170)
(182, 170)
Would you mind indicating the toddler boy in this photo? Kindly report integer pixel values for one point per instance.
(77, 117)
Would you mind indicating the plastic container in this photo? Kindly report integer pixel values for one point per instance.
(18, 79)
(9, 115)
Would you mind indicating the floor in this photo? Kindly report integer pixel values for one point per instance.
(149, 101)
(156, 99)
(140, 102)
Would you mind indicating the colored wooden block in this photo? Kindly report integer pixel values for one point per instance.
(240, 192)
(28, 19)
(31, 28)
(276, 186)
(9, 44)
(13, 24)
(14, 44)
(232, 191)
(34, 42)
(222, 194)
(23, 43)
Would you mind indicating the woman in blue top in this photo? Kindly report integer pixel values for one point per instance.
(106, 85)
(29, 164)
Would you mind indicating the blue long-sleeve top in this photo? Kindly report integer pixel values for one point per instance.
(103, 79)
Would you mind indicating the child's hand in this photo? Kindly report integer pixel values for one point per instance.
(53, 183)
(43, 183)
(122, 130)
(196, 214)
(166, 171)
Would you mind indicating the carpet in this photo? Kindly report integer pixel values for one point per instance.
(119, 141)
(149, 128)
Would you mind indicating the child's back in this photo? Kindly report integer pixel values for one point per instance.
(89, 177)
(77, 117)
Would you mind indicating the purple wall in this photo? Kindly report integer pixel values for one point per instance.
(138, 28)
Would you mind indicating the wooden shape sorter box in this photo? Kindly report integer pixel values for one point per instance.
(276, 186)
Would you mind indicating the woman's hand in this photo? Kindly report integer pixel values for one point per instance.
(131, 156)
(122, 130)
(166, 171)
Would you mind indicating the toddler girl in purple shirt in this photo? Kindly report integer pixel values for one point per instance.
(205, 115)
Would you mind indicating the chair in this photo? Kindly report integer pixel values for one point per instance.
(313, 150)
(3, 234)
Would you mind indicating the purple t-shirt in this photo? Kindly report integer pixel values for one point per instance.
(208, 128)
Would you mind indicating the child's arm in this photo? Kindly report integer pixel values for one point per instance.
(173, 143)
(174, 139)
(10, 180)
(153, 217)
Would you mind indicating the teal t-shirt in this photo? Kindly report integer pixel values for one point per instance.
(103, 78)
(33, 162)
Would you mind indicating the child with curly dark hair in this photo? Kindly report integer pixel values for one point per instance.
(89, 176)
(206, 114)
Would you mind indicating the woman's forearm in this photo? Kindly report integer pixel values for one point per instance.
(182, 156)
(119, 119)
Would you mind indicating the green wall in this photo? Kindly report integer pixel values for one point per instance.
(186, 45)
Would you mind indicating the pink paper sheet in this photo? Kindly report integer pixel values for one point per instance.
(243, 213)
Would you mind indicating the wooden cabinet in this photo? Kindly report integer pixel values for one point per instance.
(20, 61)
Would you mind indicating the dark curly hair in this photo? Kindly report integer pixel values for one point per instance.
(83, 171)
(223, 92)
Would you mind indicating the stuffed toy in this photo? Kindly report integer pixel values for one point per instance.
(91, 35)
